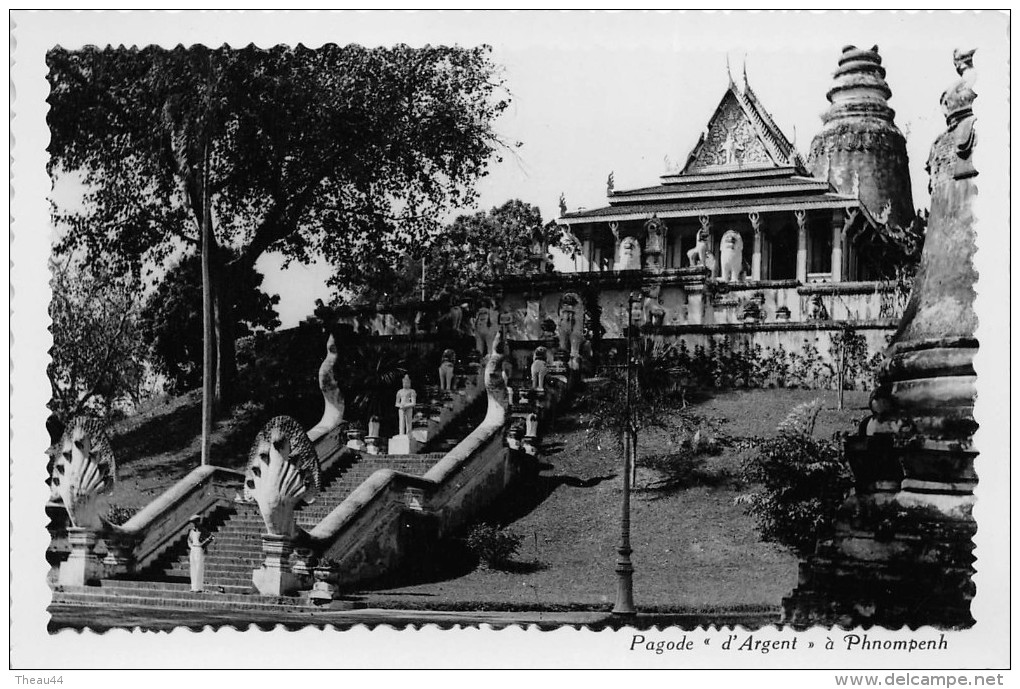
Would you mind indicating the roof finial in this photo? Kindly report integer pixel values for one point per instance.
(745, 72)
(728, 72)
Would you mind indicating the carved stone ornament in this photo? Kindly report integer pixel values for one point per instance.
(755, 219)
(85, 469)
(332, 398)
(656, 230)
(731, 140)
(282, 472)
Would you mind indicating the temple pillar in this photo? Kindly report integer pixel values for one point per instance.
(695, 305)
(587, 254)
(838, 226)
(714, 253)
(802, 245)
(755, 219)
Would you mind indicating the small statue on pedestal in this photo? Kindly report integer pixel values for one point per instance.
(731, 256)
(484, 330)
(446, 368)
(406, 399)
(538, 369)
(698, 256)
(818, 311)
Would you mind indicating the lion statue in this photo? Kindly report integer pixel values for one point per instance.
(698, 255)
(731, 256)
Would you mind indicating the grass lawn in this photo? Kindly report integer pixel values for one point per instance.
(694, 549)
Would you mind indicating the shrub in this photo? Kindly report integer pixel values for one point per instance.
(803, 482)
(118, 514)
(494, 546)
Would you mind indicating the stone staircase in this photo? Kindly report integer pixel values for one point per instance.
(458, 429)
(237, 528)
(236, 550)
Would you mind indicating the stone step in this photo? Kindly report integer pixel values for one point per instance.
(133, 587)
(225, 547)
(142, 598)
(232, 567)
(215, 568)
(238, 580)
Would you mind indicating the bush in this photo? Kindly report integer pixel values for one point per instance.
(494, 546)
(803, 482)
(118, 514)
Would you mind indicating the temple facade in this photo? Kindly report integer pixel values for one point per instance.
(794, 219)
(748, 238)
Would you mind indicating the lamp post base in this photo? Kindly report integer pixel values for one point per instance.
(624, 585)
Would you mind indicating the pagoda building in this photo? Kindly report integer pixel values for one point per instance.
(745, 176)
(748, 244)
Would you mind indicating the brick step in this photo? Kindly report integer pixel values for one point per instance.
(222, 562)
(232, 549)
(213, 557)
(240, 569)
(240, 578)
(215, 568)
(253, 538)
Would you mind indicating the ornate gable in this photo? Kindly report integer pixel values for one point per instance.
(737, 138)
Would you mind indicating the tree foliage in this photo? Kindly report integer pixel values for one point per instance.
(341, 152)
(462, 257)
(98, 361)
(656, 402)
(172, 318)
(803, 481)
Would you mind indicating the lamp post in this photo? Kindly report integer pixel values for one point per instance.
(624, 567)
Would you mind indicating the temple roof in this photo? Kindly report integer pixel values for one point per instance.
(741, 134)
(743, 162)
(715, 206)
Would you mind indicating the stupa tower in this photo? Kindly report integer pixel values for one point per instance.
(859, 150)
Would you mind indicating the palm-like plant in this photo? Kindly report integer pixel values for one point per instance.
(374, 377)
(656, 401)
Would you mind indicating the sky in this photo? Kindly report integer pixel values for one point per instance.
(594, 93)
(600, 92)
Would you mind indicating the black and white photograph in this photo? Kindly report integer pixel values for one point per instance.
(512, 339)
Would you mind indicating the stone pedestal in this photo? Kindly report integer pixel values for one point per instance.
(356, 439)
(81, 566)
(275, 577)
(373, 444)
(561, 361)
(902, 551)
(402, 445)
(120, 554)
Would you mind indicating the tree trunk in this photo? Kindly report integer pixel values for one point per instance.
(208, 351)
(226, 360)
(841, 376)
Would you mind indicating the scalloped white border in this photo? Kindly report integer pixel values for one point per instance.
(817, 35)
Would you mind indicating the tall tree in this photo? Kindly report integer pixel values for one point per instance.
(171, 318)
(462, 257)
(98, 359)
(343, 152)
